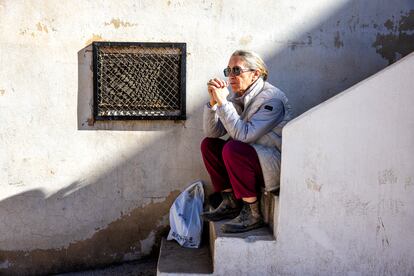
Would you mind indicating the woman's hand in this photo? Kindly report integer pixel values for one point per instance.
(218, 91)
(210, 93)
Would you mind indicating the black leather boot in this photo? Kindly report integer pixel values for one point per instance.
(249, 218)
(229, 208)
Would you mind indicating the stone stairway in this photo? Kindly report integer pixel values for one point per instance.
(221, 253)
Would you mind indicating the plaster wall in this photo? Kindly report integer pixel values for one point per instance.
(76, 194)
(347, 192)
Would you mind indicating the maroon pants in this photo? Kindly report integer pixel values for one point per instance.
(232, 164)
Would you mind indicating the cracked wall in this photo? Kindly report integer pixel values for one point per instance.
(69, 184)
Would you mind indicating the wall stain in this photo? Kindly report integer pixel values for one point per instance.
(40, 27)
(399, 41)
(309, 40)
(338, 43)
(110, 245)
(389, 24)
(406, 23)
(90, 121)
(385, 242)
(2, 92)
(312, 185)
(16, 184)
(119, 23)
(356, 207)
(408, 182)
(387, 177)
(353, 23)
(390, 206)
(95, 37)
(294, 44)
(245, 40)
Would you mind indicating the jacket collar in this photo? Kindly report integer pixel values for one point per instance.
(253, 90)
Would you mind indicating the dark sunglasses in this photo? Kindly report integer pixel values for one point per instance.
(236, 70)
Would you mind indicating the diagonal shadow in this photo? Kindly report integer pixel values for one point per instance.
(362, 38)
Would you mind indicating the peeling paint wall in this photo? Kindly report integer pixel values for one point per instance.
(322, 58)
(346, 203)
(398, 40)
(69, 184)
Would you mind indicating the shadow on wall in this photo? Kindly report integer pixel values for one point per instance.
(119, 241)
(145, 181)
(72, 209)
(348, 47)
(359, 40)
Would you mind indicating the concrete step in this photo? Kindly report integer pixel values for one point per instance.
(248, 253)
(269, 206)
(176, 260)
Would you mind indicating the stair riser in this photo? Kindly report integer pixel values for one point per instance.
(237, 257)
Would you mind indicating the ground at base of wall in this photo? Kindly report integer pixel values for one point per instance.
(146, 267)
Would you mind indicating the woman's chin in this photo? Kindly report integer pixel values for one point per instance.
(235, 89)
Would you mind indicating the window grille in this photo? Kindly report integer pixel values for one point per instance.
(139, 81)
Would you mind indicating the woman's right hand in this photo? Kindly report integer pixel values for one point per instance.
(210, 93)
(214, 86)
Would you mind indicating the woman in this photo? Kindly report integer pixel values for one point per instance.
(253, 116)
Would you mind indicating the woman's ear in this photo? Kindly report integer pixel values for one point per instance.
(256, 75)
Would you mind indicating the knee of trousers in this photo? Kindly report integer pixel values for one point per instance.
(232, 149)
(208, 144)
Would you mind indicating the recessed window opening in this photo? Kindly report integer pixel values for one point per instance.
(139, 81)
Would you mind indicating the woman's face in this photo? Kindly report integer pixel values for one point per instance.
(240, 83)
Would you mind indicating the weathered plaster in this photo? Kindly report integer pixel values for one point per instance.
(94, 37)
(399, 39)
(347, 209)
(338, 43)
(123, 239)
(116, 22)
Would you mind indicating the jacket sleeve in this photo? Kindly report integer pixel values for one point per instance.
(268, 115)
(212, 126)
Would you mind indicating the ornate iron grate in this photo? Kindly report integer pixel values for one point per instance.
(139, 81)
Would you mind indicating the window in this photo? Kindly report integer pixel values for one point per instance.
(139, 81)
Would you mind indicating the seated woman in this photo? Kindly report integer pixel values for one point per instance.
(253, 116)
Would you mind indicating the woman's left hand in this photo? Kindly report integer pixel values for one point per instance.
(218, 90)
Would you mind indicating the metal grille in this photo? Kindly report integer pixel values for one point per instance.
(139, 80)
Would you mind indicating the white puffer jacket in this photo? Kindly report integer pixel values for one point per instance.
(256, 118)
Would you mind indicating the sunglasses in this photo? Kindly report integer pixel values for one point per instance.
(236, 70)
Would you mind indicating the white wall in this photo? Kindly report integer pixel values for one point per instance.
(73, 195)
(347, 191)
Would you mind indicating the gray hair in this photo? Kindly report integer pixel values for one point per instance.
(253, 61)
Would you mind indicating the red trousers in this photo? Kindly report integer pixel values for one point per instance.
(232, 164)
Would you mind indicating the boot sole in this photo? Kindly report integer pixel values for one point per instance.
(227, 216)
(227, 228)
